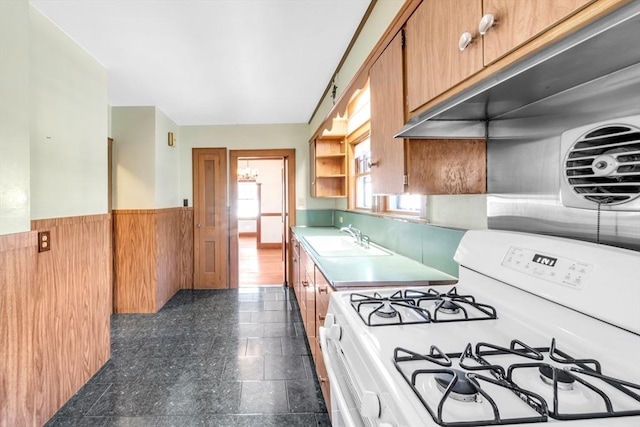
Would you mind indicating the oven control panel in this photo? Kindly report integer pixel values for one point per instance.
(561, 270)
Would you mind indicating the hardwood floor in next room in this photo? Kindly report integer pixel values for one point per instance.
(258, 267)
(218, 358)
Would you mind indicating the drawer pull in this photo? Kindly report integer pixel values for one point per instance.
(322, 290)
(305, 283)
(321, 317)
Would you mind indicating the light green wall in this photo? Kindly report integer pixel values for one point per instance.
(68, 125)
(53, 122)
(378, 22)
(134, 169)
(244, 137)
(14, 117)
(167, 164)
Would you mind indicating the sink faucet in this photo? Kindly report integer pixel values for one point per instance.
(360, 239)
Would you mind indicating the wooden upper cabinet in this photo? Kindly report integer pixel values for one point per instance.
(328, 160)
(520, 20)
(447, 166)
(387, 118)
(434, 61)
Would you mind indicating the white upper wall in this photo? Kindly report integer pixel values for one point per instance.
(14, 117)
(68, 125)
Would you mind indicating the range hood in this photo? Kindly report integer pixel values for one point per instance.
(610, 44)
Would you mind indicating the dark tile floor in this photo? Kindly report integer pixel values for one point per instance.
(208, 358)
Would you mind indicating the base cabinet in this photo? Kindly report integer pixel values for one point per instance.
(323, 293)
(312, 291)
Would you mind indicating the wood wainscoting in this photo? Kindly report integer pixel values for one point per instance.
(153, 257)
(55, 309)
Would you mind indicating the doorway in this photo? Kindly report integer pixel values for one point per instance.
(261, 190)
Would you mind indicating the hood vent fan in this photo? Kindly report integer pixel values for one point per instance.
(601, 165)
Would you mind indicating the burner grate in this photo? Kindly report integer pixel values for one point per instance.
(419, 307)
(477, 380)
(485, 369)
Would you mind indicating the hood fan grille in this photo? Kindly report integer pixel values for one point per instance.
(603, 165)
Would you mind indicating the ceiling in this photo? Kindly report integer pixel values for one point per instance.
(212, 62)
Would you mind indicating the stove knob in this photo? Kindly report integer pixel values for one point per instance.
(329, 320)
(370, 405)
(334, 333)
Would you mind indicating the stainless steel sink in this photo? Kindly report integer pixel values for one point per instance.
(341, 246)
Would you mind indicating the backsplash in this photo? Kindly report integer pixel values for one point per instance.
(428, 244)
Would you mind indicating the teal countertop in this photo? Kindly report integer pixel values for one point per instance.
(355, 271)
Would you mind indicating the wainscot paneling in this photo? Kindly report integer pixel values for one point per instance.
(55, 309)
(17, 264)
(153, 257)
(186, 248)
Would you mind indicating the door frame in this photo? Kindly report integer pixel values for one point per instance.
(288, 154)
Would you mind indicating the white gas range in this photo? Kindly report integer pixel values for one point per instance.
(538, 329)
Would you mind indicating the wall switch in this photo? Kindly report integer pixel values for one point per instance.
(44, 241)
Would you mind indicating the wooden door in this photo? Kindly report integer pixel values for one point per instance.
(434, 61)
(210, 257)
(521, 20)
(387, 117)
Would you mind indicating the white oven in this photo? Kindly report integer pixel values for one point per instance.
(538, 329)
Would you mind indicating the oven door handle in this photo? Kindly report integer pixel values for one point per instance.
(336, 392)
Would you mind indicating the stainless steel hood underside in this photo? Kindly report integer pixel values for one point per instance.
(606, 46)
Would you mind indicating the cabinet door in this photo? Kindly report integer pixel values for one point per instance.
(310, 309)
(518, 21)
(296, 282)
(447, 166)
(312, 168)
(434, 61)
(323, 293)
(387, 118)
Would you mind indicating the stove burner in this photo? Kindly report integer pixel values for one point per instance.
(386, 310)
(463, 390)
(448, 307)
(565, 381)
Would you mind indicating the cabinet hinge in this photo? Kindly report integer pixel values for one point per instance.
(405, 180)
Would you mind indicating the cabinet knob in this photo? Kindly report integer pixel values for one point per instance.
(305, 283)
(465, 40)
(486, 23)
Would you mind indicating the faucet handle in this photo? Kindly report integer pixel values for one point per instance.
(365, 241)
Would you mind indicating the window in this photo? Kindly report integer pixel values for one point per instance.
(362, 173)
(408, 203)
(248, 200)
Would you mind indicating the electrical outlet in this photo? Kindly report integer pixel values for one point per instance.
(44, 241)
(340, 219)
